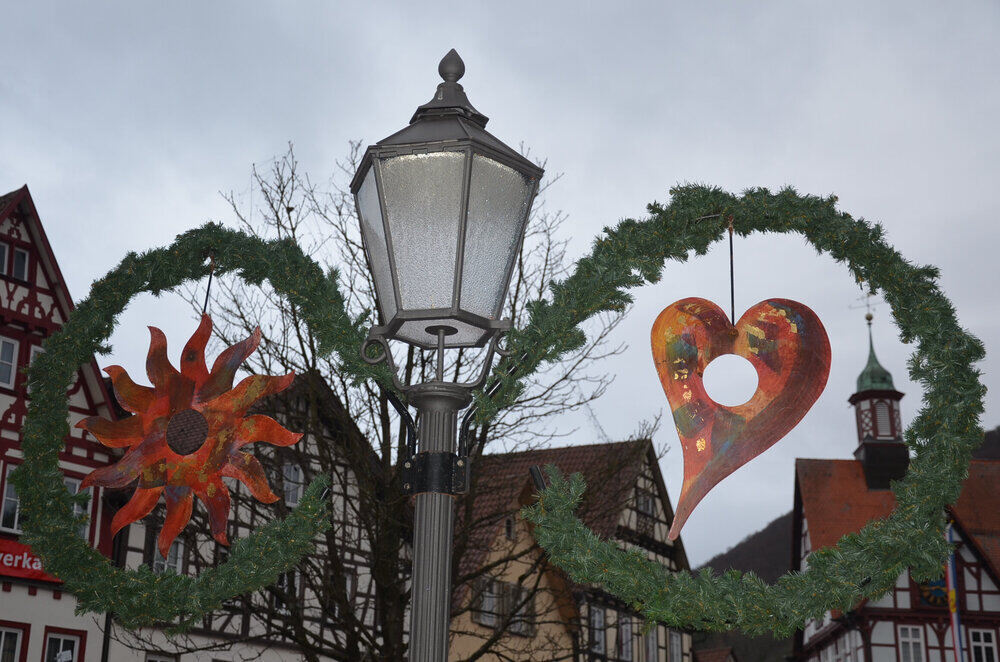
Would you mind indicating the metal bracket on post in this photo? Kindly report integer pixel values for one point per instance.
(445, 473)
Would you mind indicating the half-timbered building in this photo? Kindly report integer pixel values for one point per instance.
(36, 617)
(512, 593)
(912, 623)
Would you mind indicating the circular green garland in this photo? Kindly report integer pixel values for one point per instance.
(943, 435)
(140, 597)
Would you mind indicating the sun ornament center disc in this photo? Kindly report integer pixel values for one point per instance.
(186, 431)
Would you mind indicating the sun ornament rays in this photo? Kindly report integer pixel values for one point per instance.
(186, 433)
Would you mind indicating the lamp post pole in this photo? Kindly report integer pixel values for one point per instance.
(442, 206)
(438, 405)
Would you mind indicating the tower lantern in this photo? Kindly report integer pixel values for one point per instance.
(880, 430)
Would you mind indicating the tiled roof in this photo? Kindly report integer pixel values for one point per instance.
(977, 510)
(502, 485)
(836, 501)
(714, 655)
(6, 198)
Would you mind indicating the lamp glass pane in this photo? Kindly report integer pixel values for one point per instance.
(378, 253)
(423, 198)
(499, 197)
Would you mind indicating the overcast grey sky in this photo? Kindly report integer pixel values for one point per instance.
(127, 119)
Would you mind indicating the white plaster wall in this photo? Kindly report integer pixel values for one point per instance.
(883, 633)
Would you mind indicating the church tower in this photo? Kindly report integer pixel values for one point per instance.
(880, 432)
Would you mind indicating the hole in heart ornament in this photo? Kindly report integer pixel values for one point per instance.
(787, 345)
(730, 380)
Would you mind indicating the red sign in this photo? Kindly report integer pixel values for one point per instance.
(17, 560)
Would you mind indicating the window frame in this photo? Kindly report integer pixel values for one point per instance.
(522, 619)
(27, 264)
(8, 467)
(625, 647)
(675, 637)
(296, 483)
(597, 640)
(4, 257)
(22, 632)
(652, 638)
(14, 361)
(164, 563)
(483, 614)
(80, 636)
(644, 496)
(510, 533)
(78, 510)
(907, 643)
(982, 645)
(278, 603)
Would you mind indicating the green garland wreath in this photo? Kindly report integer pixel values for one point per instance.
(943, 435)
(140, 597)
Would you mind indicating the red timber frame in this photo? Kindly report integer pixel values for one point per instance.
(36, 316)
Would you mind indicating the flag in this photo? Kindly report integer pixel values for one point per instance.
(951, 582)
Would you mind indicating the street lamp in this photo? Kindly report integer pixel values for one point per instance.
(443, 206)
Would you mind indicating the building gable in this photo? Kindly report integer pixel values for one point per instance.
(34, 303)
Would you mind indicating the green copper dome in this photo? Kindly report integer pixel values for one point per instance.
(874, 377)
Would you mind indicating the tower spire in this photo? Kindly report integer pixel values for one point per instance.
(874, 377)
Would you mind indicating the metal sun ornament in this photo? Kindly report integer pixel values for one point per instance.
(787, 345)
(186, 434)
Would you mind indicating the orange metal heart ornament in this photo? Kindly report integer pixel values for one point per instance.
(787, 345)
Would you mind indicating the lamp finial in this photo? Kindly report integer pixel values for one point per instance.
(451, 67)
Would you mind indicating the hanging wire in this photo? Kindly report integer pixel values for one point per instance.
(732, 285)
(208, 290)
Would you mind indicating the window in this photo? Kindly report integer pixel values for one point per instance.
(487, 610)
(496, 603)
(4, 249)
(292, 475)
(10, 511)
(333, 601)
(20, 270)
(982, 646)
(508, 528)
(597, 630)
(61, 648)
(8, 362)
(676, 647)
(73, 485)
(652, 644)
(625, 637)
(911, 643)
(644, 503)
(174, 560)
(160, 657)
(882, 419)
(520, 600)
(285, 591)
(33, 354)
(10, 645)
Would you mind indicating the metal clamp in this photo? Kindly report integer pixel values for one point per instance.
(445, 473)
